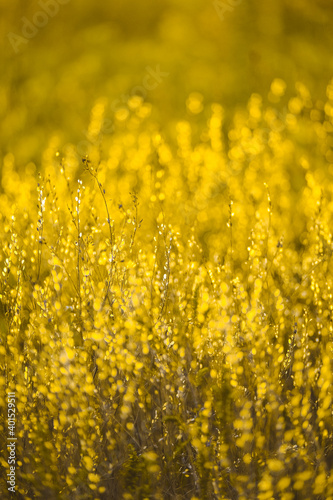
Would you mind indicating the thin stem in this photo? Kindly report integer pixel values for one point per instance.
(93, 173)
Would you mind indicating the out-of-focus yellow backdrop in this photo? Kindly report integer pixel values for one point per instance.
(59, 56)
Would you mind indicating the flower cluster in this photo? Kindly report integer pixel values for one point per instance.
(166, 307)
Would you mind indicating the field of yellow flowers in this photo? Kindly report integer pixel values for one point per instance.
(166, 306)
(166, 228)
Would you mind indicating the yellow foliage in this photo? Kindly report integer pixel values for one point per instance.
(166, 296)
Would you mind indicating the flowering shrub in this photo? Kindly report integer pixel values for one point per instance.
(166, 306)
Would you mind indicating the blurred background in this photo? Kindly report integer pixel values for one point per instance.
(59, 56)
